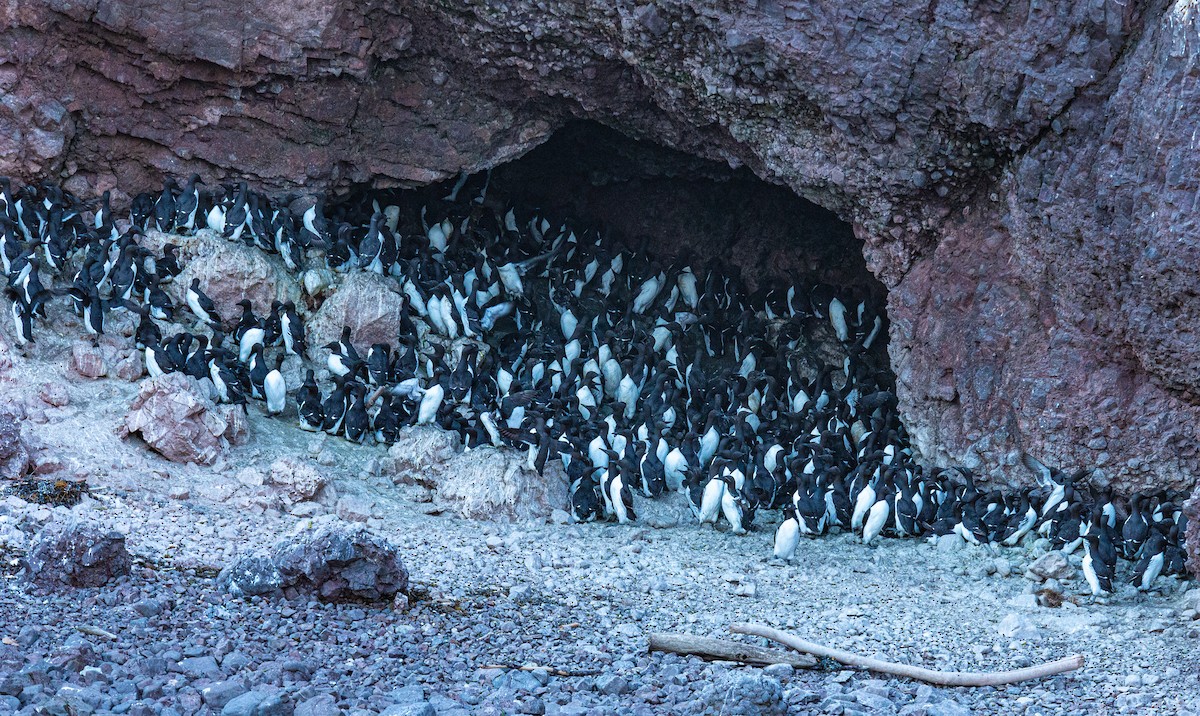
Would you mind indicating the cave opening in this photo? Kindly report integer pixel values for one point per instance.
(677, 208)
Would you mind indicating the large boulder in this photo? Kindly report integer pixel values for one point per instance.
(72, 553)
(176, 418)
(368, 303)
(228, 272)
(334, 560)
(483, 484)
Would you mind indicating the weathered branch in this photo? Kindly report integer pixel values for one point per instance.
(707, 648)
(941, 678)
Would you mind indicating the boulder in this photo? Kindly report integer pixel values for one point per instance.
(75, 554)
(228, 272)
(366, 302)
(335, 560)
(176, 418)
(14, 454)
(483, 484)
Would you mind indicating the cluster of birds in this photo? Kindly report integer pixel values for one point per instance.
(524, 331)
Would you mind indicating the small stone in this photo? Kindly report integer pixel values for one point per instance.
(1024, 601)
(407, 695)
(322, 705)
(353, 508)
(949, 707)
(520, 592)
(1003, 568)
(179, 493)
(742, 694)
(611, 684)
(148, 607)
(277, 704)
(533, 706)
(779, 671)
(949, 543)
(560, 517)
(244, 705)
(54, 394)
(131, 368)
(199, 667)
(220, 693)
(87, 361)
(876, 703)
(1052, 565)
(423, 708)
(1016, 626)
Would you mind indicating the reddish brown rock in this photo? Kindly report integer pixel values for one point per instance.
(1023, 182)
(175, 417)
(368, 303)
(87, 360)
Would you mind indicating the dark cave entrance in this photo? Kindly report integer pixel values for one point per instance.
(669, 205)
(641, 195)
(644, 194)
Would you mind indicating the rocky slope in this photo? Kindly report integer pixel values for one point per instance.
(1021, 175)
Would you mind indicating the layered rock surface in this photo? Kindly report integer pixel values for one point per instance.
(1022, 178)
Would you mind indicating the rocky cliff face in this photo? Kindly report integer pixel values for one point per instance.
(1022, 175)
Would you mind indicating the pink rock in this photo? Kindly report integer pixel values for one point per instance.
(87, 360)
(131, 368)
(368, 303)
(175, 417)
(54, 395)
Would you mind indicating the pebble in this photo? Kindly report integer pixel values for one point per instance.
(200, 667)
(244, 705)
(1052, 565)
(148, 607)
(1018, 627)
(611, 684)
(423, 708)
(321, 705)
(779, 671)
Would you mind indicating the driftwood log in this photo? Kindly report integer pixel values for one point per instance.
(941, 678)
(722, 650)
